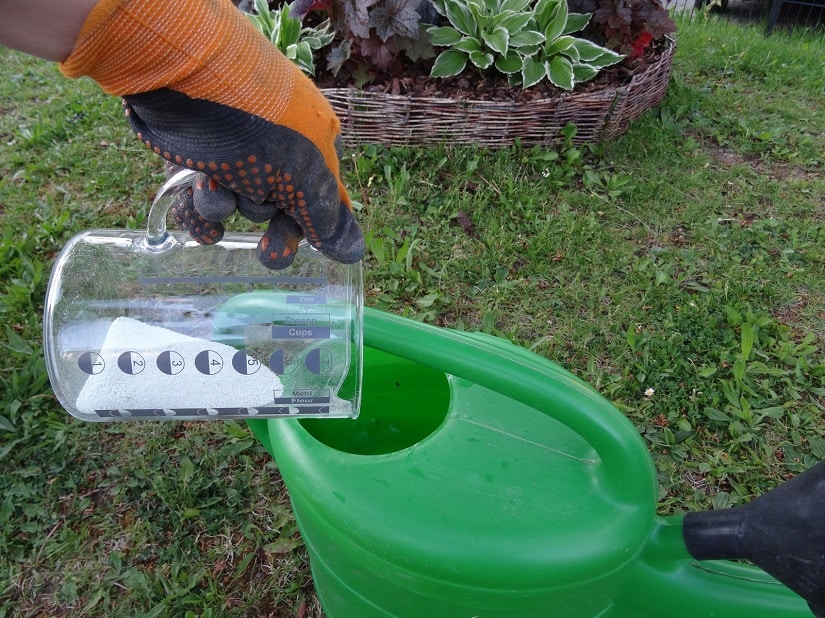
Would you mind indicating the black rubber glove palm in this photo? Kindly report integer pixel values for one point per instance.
(264, 171)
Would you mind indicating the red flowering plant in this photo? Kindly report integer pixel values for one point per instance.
(629, 27)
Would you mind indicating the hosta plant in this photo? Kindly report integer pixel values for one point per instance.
(528, 40)
(296, 42)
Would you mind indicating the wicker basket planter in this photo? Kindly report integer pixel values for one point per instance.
(393, 120)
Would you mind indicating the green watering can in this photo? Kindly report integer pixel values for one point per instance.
(482, 480)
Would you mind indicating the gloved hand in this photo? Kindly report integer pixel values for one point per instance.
(205, 90)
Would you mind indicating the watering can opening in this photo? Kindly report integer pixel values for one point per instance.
(402, 403)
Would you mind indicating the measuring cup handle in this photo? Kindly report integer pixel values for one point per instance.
(156, 233)
(531, 380)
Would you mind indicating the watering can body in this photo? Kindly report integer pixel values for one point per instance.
(483, 480)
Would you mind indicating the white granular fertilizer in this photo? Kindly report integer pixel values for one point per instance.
(137, 374)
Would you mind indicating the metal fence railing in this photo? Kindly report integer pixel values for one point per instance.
(773, 14)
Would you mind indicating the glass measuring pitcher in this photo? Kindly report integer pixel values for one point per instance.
(151, 325)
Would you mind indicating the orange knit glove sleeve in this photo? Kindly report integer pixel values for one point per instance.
(205, 90)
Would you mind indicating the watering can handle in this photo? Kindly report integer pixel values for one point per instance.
(529, 379)
(782, 532)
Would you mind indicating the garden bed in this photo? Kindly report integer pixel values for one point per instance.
(601, 111)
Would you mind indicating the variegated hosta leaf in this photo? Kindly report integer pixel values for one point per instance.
(460, 17)
(532, 72)
(576, 22)
(444, 35)
(560, 72)
(583, 72)
(481, 60)
(511, 63)
(606, 59)
(497, 40)
(527, 38)
(449, 63)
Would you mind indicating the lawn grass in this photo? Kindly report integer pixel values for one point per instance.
(679, 269)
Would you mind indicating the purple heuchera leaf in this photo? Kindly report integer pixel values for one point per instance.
(380, 53)
(299, 8)
(395, 17)
(355, 16)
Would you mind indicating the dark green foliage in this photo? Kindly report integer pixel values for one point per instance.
(625, 26)
(372, 33)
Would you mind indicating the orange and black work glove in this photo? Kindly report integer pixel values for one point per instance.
(205, 90)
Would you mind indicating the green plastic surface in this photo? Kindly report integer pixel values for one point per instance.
(243, 312)
(483, 480)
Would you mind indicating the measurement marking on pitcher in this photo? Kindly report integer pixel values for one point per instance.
(209, 362)
(306, 302)
(170, 362)
(304, 397)
(245, 364)
(131, 362)
(270, 410)
(301, 326)
(274, 281)
(91, 363)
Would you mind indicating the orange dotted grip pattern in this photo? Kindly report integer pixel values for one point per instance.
(186, 217)
(264, 170)
(264, 162)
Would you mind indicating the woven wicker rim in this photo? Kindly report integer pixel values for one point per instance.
(397, 120)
